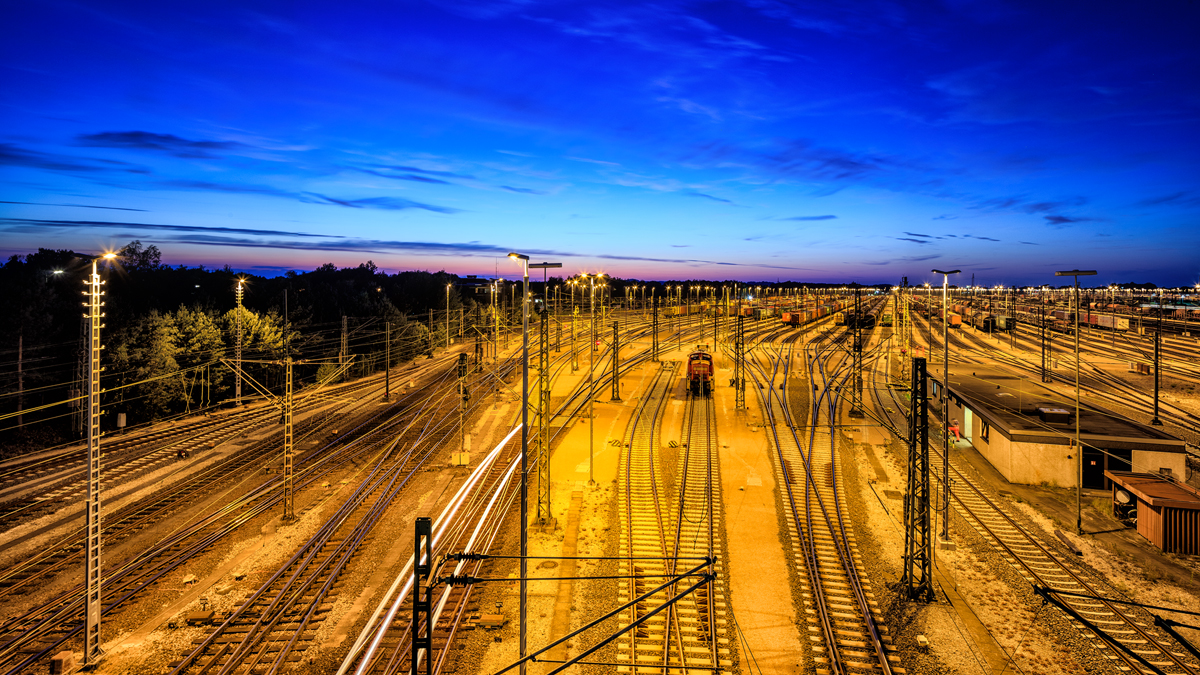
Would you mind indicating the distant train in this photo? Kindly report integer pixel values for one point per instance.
(700, 372)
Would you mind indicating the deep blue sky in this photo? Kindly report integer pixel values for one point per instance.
(754, 140)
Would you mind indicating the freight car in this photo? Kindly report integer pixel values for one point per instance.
(700, 372)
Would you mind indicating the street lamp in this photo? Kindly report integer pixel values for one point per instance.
(1078, 448)
(524, 441)
(945, 403)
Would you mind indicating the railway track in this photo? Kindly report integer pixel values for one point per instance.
(669, 519)
(845, 629)
(46, 484)
(35, 634)
(1128, 631)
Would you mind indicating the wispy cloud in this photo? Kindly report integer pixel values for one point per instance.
(1182, 198)
(1062, 221)
(385, 203)
(915, 241)
(406, 176)
(427, 172)
(521, 190)
(77, 206)
(916, 234)
(808, 218)
(592, 161)
(707, 196)
(150, 141)
(234, 188)
(14, 155)
(26, 223)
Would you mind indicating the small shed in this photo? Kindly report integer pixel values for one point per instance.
(1168, 512)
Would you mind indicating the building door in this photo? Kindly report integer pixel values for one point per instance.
(968, 431)
(1118, 460)
(1093, 469)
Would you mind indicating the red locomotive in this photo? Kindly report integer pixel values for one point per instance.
(700, 372)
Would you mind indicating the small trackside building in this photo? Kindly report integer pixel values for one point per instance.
(1168, 512)
(1027, 432)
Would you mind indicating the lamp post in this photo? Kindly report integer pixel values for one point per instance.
(91, 636)
(524, 259)
(592, 377)
(1078, 448)
(237, 376)
(945, 403)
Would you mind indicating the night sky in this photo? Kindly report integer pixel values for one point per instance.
(753, 140)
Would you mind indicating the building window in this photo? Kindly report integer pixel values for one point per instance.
(985, 429)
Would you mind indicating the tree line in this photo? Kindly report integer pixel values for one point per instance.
(170, 334)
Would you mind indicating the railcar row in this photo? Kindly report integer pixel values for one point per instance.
(803, 316)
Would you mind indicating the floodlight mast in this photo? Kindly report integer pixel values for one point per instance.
(945, 405)
(1078, 447)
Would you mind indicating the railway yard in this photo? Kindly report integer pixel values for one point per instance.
(752, 523)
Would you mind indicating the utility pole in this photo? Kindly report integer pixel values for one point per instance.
(544, 517)
(496, 315)
(616, 347)
(79, 417)
(574, 352)
(289, 512)
(463, 397)
(1157, 363)
(856, 409)
(91, 635)
(345, 350)
(653, 329)
(448, 315)
(918, 544)
(237, 375)
(592, 384)
(387, 360)
(524, 260)
(1042, 327)
(739, 364)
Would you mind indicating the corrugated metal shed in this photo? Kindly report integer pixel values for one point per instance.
(1168, 513)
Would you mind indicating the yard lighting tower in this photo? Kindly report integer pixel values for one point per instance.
(1078, 448)
(524, 259)
(237, 376)
(91, 636)
(945, 402)
(448, 315)
(592, 377)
